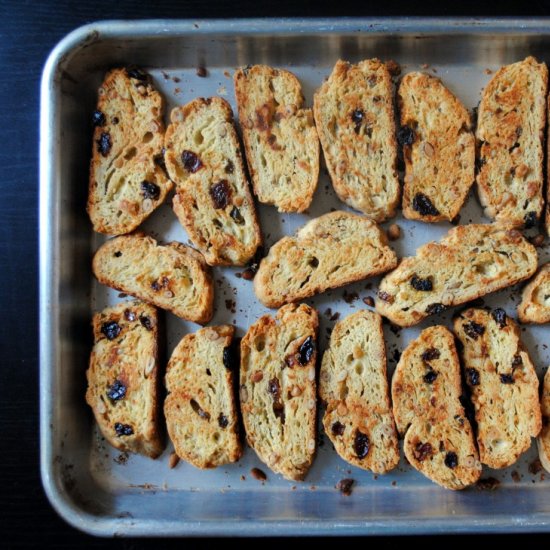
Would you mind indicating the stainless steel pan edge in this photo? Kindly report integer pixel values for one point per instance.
(50, 249)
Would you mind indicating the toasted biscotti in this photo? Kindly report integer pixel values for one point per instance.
(123, 378)
(281, 143)
(330, 251)
(503, 385)
(200, 410)
(212, 200)
(535, 302)
(278, 390)
(510, 128)
(547, 218)
(354, 386)
(438, 148)
(543, 440)
(173, 277)
(354, 116)
(426, 390)
(469, 262)
(127, 177)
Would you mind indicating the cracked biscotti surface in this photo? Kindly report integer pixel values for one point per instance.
(543, 440)
(281, 143)
(278, 390)
(200, 410)
(502, 382)
(354, 386)
(426, 390)
(355, 120)
(329, 251)
(123, 378)
(127, 178)
(469, 262)
(510, 128)
(172, 276)
(535, 302)
(212, 200)
(438, 148)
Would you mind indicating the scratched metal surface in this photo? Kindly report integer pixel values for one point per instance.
(103, 491)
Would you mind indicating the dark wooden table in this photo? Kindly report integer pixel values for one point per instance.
(28, 31)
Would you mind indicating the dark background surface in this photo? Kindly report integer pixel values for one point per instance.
(28, 31)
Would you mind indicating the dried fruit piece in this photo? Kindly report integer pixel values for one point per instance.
(191, 162)
(473, 330)
(499, 315)
(223, 422)
(451, 460)
(530, 220)
(337, 428)
(357, 117)
(104, 144)
(405, 136)
(507, 378)
(421, 284)
(98, 118)
(116, 391)
(424, 206)
(472, 376)
(361, 444)
(227, 358)
(123, 429)
(150, 190)
(435, 308)
(430, 377)
(221, 194)
(111, 330)
(236, 215)
(306, 350)
(422, 451)
(430, 354)
(146, 322)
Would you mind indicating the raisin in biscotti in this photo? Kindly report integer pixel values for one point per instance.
(503, 385)
(200, 410)
(330, 251)
(543, 440)
(438, 148)
(127, 178)
(281, 143)
(212, 199)
(123, 378)
(535, 302)
(426, 390)
(354, 386)
(278, 391)
(354, 115)
(173, 277)
(510, 128)
(471, 261)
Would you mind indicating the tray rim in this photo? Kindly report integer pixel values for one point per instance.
(48, 274)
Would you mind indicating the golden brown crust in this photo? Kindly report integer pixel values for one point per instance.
(173, 276)
(281, 143)
(354, 115)
(510, 128)
(439, 163)
(535, 302)
(127, 181)
(123, 378)
(543, 440)
(212, 199)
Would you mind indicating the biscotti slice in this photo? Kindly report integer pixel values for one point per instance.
(278, 391)
(543, 440)
(127, 178)
(503, 385)
(281, 143)
(173, 277)
(330, 251)
(353, 384)
(443, 449)
(200, 410)
(212, 200)
(438, 148)
(123, 378)
(535, 302)
(510, 128)
(469, 262)
(354, 116)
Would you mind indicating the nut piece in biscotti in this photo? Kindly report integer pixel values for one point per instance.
(354, 386)
(281, 143)
(173, 277)
(543, 440)
(212, 200)
(123, 378)
(127, 176)
(426, 390)
(200, 410)
(503, 385)
(277, 389)
(354, 115)
(510, 128)
(535, 302)
(438, 148)
(329, 251)
(469, 262)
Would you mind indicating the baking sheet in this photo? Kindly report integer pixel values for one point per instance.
(113, 491)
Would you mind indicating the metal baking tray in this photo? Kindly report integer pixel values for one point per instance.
(105, 492)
